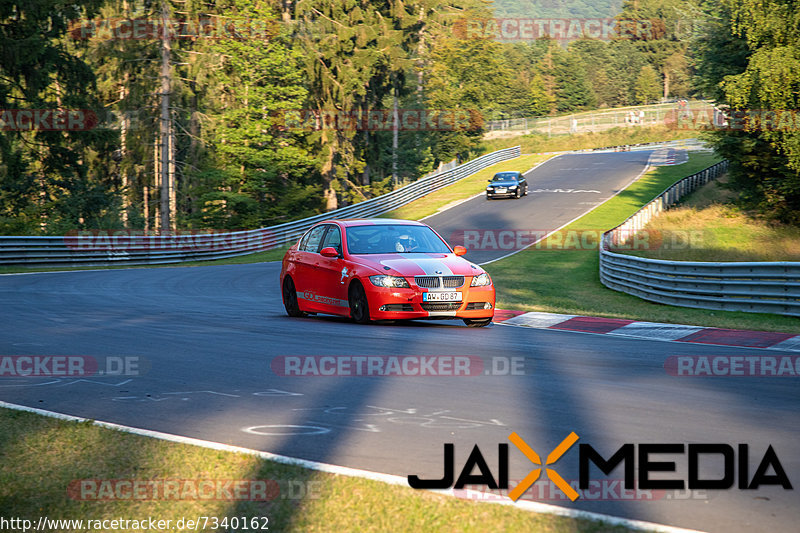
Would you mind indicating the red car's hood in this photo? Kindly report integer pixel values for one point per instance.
(411, 264)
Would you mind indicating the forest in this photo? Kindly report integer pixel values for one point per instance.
(238, 114)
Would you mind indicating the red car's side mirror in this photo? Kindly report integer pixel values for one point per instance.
(459, 250)
(329, 252)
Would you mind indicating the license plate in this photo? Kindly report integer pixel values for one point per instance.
(500, 189)
(441, 296)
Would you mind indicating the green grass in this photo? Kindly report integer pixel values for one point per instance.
(613, 137)
(567, 281)
(41, 456)
(435, 201)
(708, 227)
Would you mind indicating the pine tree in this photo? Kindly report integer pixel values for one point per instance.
(52, 181)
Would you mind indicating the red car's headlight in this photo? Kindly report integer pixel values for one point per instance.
(395, 282)
(481, 280)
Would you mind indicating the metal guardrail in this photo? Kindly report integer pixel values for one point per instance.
(589, 120)
(760, 287)
(681, 144)
(127, 249)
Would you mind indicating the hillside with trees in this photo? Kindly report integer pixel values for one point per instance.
(249, 113)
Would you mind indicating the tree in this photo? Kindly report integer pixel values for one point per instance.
(665, 38)
(467, 75)
(572, 89)
(647, 85)
(599, 55)
(542, 102)
(255, 173)
(748, 59)
(675, 70)
(52, 181)
(347, 49)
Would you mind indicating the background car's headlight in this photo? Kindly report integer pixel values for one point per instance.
(481, 280)
(489, 188)
(512, 186)
(389, 281)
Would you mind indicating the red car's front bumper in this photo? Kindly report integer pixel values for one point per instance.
(398, 304)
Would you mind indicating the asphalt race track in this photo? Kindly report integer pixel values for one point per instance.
(559, 190)
(205, 338)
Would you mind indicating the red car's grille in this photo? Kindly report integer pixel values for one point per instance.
(435, 282)
(428, 282)
(451, 282)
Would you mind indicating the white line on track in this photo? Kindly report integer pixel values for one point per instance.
(352, 472)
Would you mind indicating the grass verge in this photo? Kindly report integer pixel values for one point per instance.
(435, 201)
(42, 456)
(717, 230)
(547, 278)
(613, 137)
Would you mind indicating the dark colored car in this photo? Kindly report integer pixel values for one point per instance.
(383, 269)
(510, 184)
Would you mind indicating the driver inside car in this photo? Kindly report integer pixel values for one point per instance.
(405, 243)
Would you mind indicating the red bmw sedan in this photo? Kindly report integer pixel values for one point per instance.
(383, 269)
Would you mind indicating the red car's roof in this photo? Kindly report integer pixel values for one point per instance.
(347, 222)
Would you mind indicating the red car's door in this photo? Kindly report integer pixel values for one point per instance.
(305, 279)
(332, 274)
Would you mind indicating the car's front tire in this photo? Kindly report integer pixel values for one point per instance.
(516, 194)
(477, 322)
(290, 299)
(359, 307)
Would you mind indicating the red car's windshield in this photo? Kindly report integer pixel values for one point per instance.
(393, 239)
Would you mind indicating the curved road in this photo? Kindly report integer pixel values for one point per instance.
(206, 337)
(559, 190)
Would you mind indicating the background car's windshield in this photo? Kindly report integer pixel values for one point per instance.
(504, 177)
(392, 239)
